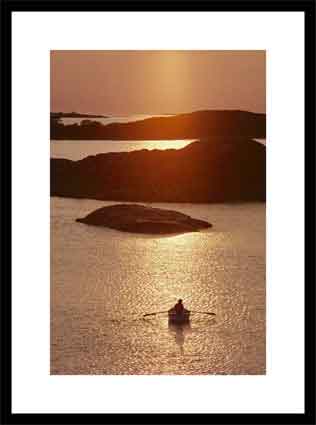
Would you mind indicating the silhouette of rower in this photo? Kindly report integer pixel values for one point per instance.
(179, 308)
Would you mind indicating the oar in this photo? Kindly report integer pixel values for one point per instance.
(203, 312)
(152, 314)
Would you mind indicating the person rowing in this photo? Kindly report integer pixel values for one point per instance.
(179, 307)
(178, 314)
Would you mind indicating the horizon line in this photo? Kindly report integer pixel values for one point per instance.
(157, 114)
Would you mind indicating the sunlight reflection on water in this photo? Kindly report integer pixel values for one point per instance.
(103, 281)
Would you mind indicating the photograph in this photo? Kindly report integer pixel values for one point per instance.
(157, 212)
(158, 187)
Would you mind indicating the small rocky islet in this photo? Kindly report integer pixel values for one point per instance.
(135, 218)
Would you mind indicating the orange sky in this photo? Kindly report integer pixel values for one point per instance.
(157, 82)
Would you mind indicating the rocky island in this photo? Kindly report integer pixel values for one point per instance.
(136, 218)
(218, 170)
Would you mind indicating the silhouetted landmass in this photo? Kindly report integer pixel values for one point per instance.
(140, 219)
(219, 170)
(195, 125)
(57, 115)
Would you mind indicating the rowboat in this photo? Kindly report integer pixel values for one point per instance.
(178, 319)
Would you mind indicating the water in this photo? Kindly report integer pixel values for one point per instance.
(262, 141)
(103, 281)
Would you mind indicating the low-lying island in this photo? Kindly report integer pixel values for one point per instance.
(137, 218)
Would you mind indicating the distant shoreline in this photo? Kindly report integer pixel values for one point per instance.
(195, 125)
(57, 115)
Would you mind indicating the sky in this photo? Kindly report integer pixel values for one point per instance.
(156, 82)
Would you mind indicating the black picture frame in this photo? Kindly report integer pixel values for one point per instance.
(306, 6)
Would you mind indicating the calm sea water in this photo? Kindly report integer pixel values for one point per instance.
(103, 281)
